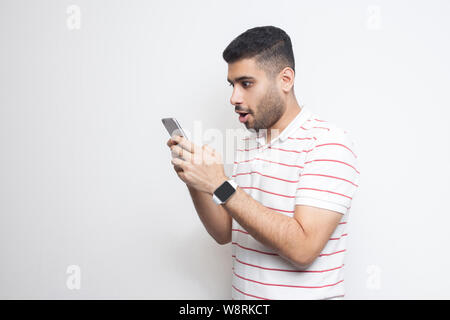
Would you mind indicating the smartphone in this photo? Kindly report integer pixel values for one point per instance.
(173, 127)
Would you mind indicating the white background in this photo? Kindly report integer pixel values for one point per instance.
(85, 173)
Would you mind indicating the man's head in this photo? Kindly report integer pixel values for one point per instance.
(261, 69)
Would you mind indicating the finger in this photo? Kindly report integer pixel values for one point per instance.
(184, 154)
(182, 176)
(185, 143)
(211, 156)
(179, 163)
(178, 169)
(171, 142)
(208, 148)
(204, 153)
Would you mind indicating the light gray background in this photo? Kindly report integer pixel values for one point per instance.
(86, 178)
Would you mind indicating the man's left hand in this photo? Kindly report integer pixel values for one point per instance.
(200, 167)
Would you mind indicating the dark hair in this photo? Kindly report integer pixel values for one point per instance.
(269, 45)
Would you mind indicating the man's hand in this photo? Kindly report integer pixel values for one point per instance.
(199, 167)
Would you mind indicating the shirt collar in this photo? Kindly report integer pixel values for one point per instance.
(299, 119)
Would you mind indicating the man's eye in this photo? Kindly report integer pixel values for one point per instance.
(245, 84)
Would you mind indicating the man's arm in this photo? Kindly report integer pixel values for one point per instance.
(299, 239)
(215, 219)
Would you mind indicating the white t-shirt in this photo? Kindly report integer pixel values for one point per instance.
(312, 162)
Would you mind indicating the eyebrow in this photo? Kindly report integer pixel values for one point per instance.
(241, 78)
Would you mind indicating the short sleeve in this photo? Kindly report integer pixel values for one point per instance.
(234, 170)
(235, 161)
(330, 176)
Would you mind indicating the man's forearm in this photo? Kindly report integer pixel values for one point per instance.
(215, 219)
(275, 230)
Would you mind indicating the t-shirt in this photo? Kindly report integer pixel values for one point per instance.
(312, 162)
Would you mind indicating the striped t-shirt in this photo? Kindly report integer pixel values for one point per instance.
(312, 162)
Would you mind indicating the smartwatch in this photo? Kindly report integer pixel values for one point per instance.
(224, 191)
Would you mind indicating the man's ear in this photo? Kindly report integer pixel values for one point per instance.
(287, 76)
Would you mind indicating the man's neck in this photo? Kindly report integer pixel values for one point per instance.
(291, 112)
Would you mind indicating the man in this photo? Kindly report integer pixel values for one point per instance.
(294, 178)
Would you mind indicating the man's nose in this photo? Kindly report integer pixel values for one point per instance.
(236, 97)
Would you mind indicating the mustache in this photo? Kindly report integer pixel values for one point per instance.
(242, 110)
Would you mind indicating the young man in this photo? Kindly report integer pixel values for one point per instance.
(286, 206)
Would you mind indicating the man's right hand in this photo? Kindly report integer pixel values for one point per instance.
(171, 143)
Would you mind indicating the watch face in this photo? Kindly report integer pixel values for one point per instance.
(224, 191)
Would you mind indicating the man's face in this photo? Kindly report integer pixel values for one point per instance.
(255, 94)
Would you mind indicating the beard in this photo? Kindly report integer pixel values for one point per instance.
(269, 110)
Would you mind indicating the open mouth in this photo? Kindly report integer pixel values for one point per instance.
(243, 117)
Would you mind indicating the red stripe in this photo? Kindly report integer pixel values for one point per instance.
(274, 254)
(316, 120)
(239, 230)
(333, 161)
(337, 144)
(283, 164)
(264, 175)
(287, 285)
(277, 194)
(330, 254)
(323, 175)
(348, 208)
(340, 194)
(268, 253)
(245, 232)
(297, 151)
(315, 128)
(288, 211)
(308, 138)
(321, 128)
(340, 296)
(343, 235)
(247, 294)
(293, 165)
(249, 149)
(286, 270)
(286, 150)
